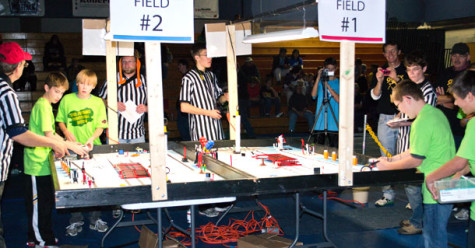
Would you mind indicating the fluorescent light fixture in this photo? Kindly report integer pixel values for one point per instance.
(292, 34)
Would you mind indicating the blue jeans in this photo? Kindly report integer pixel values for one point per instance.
(435, 220)
(414, 195)
(266, 105)
(293, 119)
(2, 240)
(388, 137)
(471, 234)
(244, 105)
(132, 141)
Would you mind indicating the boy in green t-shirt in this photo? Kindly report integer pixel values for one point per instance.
(82, 118)
(464, 162)
(39, 189)
(431, 145)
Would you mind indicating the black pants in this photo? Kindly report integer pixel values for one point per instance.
(332, 139)
(39, 207)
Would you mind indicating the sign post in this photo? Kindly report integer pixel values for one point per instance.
(347, 22)
(154, 22)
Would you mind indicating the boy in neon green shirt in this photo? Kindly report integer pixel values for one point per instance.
(464, 162)
(39, 189)
(431, 145)
(82, 118)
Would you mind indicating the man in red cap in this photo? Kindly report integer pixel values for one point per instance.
(12, 63)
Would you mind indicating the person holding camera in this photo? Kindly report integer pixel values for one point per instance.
(326, 90)
(384, 80)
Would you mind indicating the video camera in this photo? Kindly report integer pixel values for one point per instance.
(326, 73)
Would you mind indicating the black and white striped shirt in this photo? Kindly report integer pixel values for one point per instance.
(11, 121)
(201, 90)
(138, 95)
(403, 137)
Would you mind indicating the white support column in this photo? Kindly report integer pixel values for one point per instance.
(157, 137)
(232, 79)
(113, 130)
(347, 96)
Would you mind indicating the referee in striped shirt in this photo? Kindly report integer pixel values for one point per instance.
(131, 87)
(199, 96)
(13, 128)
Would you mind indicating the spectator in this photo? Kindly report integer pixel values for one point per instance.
(244, 104)
(460, 59)
(182, 118)
(269, 97)
(71, 72)
(28, 79)
(326, 90)
(298, 107)
(384, 80)
(53, 58)
(290, 81)
(249, 70)
(280, 65)
(295, 59)
(254, 90)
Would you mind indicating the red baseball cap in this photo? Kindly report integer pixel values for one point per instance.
(12, 53)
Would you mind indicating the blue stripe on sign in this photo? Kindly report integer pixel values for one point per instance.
(168, 38)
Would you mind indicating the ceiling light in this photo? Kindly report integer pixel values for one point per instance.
(293, 34)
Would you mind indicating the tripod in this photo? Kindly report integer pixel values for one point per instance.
(325, 106)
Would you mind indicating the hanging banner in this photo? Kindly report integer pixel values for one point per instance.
(207, 9)
(91, 8)
(22, 7)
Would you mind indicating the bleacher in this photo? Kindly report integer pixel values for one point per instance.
(313, 52)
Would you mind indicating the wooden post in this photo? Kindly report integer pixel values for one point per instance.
(112, 116)
(232, 80)
(157, 137)
(347, 96)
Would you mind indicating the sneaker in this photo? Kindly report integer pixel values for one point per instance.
(408, 206)
(31, 244)
(409, 230)
(463, 214)
(209, 212)
(279, 114)
(116, 213)
(383, 202)
(75, 228)
(222, 209)
(99, 225)
(404, 223)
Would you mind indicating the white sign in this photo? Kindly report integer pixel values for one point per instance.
(362, 21)
(93, 42)
(152, 20)
(216, 39)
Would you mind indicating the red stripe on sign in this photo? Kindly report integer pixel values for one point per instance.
(350, 38)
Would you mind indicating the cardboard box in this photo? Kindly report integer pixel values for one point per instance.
(266, 240)
(149, 239)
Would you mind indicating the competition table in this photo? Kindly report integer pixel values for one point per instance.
(228, 180)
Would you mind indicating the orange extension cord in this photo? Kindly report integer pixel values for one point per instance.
(212, 234)
(332, 196)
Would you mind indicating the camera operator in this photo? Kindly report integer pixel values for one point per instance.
(326, 90)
